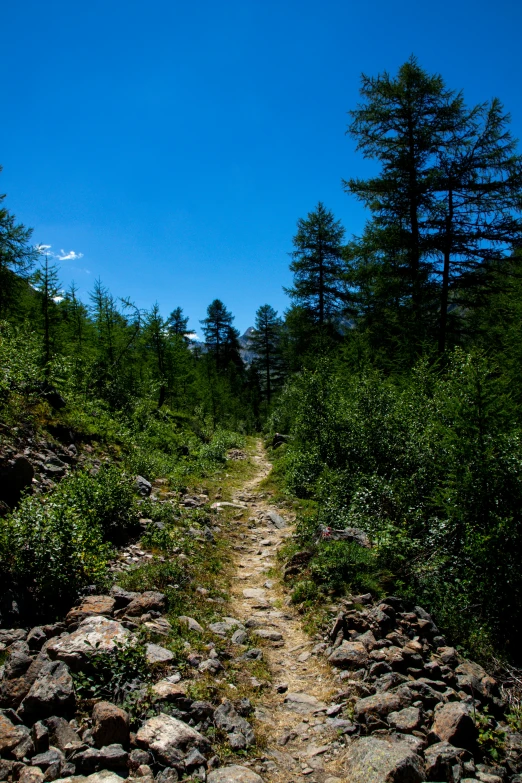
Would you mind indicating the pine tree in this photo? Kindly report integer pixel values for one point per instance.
(317, 264)
(47, 283)
(264, 344)
(17, 256)
(221, 338)
(177, 323)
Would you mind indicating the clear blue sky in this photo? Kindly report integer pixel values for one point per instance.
(174, 145)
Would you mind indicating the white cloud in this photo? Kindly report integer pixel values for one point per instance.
(70, 256)
(45, 250)
(193, 336)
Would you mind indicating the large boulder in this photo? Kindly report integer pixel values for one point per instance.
(349, 655)
(170, 739)
(382, 704)
(110, 724)
(371, 760)
(12, 691)
(52, 692)
(444, 761)
(233, 774)
(454, 724)
(93, 634)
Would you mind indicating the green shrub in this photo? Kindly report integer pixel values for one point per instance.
(104, 675)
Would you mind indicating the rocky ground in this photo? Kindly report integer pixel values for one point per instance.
(379, 696)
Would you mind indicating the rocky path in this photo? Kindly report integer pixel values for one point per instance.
(301, 738)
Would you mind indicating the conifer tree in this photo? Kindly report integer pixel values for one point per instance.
(264, 343)
(48, 285)
(221, 338)
(317, 265)
(177, 323)
(17, 256)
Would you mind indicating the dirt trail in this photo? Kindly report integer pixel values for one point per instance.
(301, 740)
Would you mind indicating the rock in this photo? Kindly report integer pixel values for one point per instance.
(110, 724)
(442, 759)
(372, 760)
(93, 634)
(454, 724)
(170, 738)
(31, 775)
(36, 638)
(276, 520)
(50, 758)
(167, 775)
(350, 655)
(157, 654)
(191, 624)
(233, 774)
(52, 692)
(61, 735)
(10, 635)
(473, 679)
(227, 719)
(13, 691)
(137, 757)
(150, 601)
(239, 637)
(226, 504)
(255, 592)
(122, 597)
(110, 756)
(11, 735)
(405, 720)
(211, 665)
(18, 661)
(271, 636)
(224, 627)
(143, 486)
(40, 736)
(168, 691)
(91, 606)
(303, 703)
(382, 704)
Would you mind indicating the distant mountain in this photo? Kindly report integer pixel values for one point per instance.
(246, 354)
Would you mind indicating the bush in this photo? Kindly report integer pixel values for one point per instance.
(54, 545)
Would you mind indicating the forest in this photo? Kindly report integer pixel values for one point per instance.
(393, 382)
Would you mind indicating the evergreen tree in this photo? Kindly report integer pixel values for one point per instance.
(264, 343)
(17, 256)
(177, 323)
(48, 285)
(404, 123)
(221, 338)
(317, 265)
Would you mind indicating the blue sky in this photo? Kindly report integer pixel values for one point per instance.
(174, 145)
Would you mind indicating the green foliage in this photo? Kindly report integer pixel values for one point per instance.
(339, 565)
(52, 546)
(430, 467)
(491, 739)
(105, 675)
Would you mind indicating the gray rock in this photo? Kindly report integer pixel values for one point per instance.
(143, 486)
(276, 519)
(122, 597)
(50, 758)
(157, 654)
(170, 738)
(61, 735)
(167, 775)
(303, 703)
(371, 760)
(442, 759)
(52, 692)
(36, 638)
(265, 633)
(233, 774)
(227, 719)
(239, 637)
(405, 720)
(94, 633)
(108, 757)
(211, 665)
(40, 736)
(191, 624)
(149, 601)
